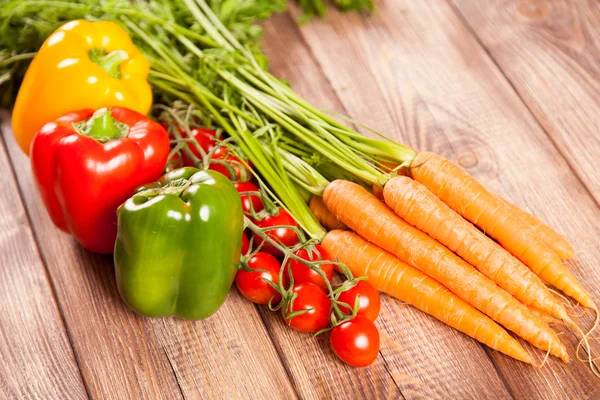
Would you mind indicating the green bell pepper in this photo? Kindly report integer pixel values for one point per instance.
(178, 245)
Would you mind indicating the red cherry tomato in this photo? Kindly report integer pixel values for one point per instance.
(304, 274)
(205, 138)
(286, 236)
(249, 201)
(369, 300)
(245, 244)
(242, 173)
(174, 162)
(252, 284)
(311, 298)
(356, 342)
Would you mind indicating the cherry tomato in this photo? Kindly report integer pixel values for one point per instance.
(252, 284)
(356, 342)
(174, 162)
(304, 274)
(245, 244)
(311, 298)
(249, 201)
(286, 236)
(205, 138)
(369, 300)
(242, 173)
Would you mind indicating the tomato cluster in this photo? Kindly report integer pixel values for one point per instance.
(306, 305)
(280, 271)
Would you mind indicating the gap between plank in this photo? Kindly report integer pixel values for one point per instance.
(484, 48)
(477, 39)
(3, 119)
(174, 372)
(305, 44)
(278, 350)
(337, 96)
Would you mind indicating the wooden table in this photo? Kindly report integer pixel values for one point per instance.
(510, 90)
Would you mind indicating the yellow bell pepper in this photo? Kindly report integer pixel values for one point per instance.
(81, 65)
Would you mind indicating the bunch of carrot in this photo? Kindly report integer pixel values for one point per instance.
(418, 241)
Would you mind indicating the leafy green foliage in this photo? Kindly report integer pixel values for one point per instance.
(319, 7)
(24, 25)
(205, 54)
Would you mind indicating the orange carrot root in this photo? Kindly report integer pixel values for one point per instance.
(377, 191)
(585, 344)
(554, 240)
(398, 279)
(470, 199)
(323, 215)
(373, 220)
(414, 203)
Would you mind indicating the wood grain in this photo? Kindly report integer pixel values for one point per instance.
(414, 71)
(412, 363)
(229, 355)
(324, 376)
(418, 58)
(37, 359)
(550, 52)
(118, 353)
(124, 355)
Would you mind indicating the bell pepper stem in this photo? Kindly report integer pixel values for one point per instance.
(111, 62)
(102, 126)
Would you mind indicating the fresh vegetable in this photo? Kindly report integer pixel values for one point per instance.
(304, 274)
(369, 301)
(81, 65)
(310, 308)
(87, 163)
(470, 199)
(281, 229)
(174, 162)
(252, 280)
(319, 7)
(200, 140)
(415, 204)
(554, 240)
(229, 165)
(323, 215)
(251, 202)
(369, 217)
(199, 58)
(245, 244)
(179, 244)
(398, 279)
(356, 342)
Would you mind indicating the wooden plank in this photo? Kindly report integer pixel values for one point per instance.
(417, 58)
(550, 52)
(118, 353)
(229, 355)
(33, 338)
(314, 369)
(420, 357)
(123, 355)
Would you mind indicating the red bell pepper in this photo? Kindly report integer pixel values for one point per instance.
(87, 163)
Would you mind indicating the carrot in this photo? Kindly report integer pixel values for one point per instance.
(554, 240)
(323, 215)
(470, 199)
(398, 279)
(373, 220)
(415, 204)
(377, 190)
